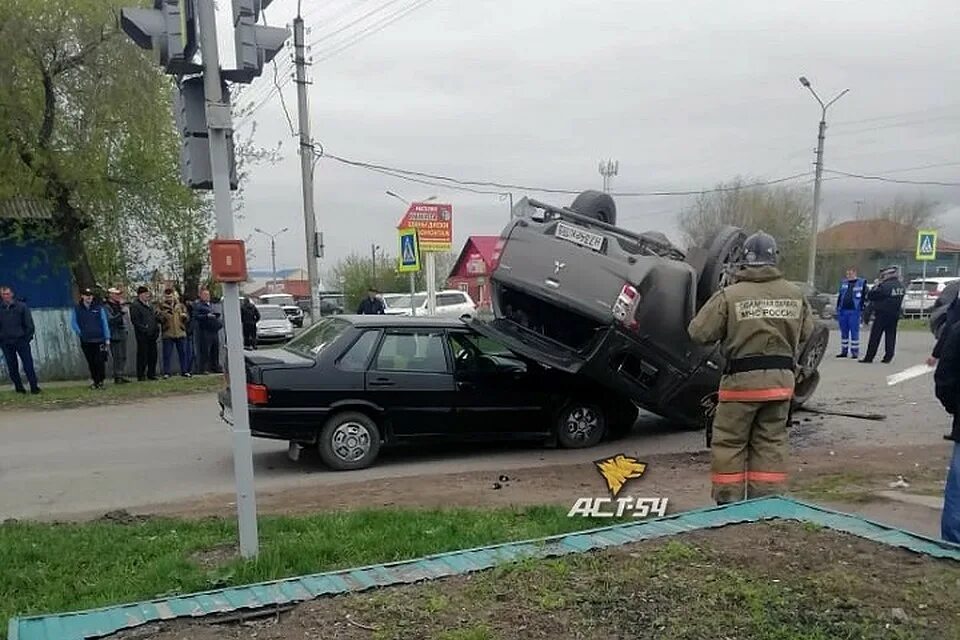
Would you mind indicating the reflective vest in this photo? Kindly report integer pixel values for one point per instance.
(858, 287)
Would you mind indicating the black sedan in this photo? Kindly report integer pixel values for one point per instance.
(350, 384)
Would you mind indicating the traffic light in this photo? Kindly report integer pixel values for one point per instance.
(169, 29)
(256, 44)
(189, 109)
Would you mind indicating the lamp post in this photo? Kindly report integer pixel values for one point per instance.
(814, 222)
(273, 251)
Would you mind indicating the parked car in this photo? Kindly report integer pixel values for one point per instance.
(822, 304)
(921, 295)
(274, 325)
(938, 314)
(450, 302)
(390, 299)
(349, 384)
(288, 303)
(574, 292)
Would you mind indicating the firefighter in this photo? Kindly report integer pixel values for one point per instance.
(760, 322)
(850, 299)
(887, 299)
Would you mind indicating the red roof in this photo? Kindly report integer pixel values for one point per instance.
(875, 235)
(296, 288)
(484, 246)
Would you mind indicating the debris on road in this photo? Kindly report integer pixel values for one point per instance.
(824, 411)
(900, 483)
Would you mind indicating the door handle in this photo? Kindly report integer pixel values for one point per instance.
(382, 382)
(466, 386)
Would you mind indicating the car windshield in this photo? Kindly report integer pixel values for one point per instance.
(271, 313)
(929, 287)
(317, 338)
(403, 302)
(281, 300)
(392, 299)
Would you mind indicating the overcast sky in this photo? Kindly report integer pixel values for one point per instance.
(684, 94)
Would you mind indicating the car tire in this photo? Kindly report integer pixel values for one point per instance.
(596, 205)
(808, 376)
(349, 440)
(724, 249)
(580, 424)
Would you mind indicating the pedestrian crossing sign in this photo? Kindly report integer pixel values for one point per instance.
(926, 244)
(409, 251)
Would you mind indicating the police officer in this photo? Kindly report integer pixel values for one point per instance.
(886, 298)
(760, 321)
(850, 299)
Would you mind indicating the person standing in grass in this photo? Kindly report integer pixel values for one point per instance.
(16, 334)
(90, 323)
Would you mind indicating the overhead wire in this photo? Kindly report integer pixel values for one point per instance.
(370, 30)
(860, 176)
(353, 22)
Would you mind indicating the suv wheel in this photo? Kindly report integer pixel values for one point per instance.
(723, 251)
(808, 377)
(580, 424)
(349, 440)
(596, 205)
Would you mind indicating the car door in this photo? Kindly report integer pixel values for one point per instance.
(498, 393)
(411, 379)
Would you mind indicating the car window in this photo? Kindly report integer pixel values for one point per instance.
(412, 351)
(271, 313)
(472, 352)
(450, 299)
(317, 338)
(403, 302)
(922, 286)
(357, 356)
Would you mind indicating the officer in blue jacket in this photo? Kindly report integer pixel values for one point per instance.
(850, 297)
(90, 323)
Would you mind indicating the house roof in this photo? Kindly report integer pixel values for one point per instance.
(25, 209)
(484, 245)
(875, 235)
(296, 288)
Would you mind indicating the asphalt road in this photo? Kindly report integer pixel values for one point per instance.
(81, 461)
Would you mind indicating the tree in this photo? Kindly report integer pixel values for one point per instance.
(782, 211)
(916, 213)
(85, 125)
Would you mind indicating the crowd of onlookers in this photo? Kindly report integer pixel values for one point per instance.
(189, 328)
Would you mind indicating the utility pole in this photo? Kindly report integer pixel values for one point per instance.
(608, 169)
(273, 252)
(821, 135)
(373, 264)
(218, 121)
(306, 166)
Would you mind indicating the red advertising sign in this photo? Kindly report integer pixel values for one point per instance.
(434, 225)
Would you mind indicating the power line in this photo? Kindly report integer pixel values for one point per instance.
(354, 22)
(283, 102)
(371, 30)
(843, 123)
(895, 125)
(859, 176)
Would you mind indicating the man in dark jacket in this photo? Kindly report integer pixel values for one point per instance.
(16, 334)
(118, 334)
(89, 322)
(947, 387)
(208, 335)
(372, 305)
(249, 317)
(886, 299)
(146, 328)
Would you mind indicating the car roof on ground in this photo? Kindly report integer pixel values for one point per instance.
(432, 322)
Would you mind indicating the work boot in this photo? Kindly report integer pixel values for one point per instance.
(35, 391)
(842, 354)
(21, 390)
(887, 360)
(865, 361)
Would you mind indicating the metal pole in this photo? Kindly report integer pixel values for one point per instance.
(413, 292)
(218, 122)
(923, 288)
(815, 220)
(431, 283)
(306, 167)
(373, 265)
(273, 259)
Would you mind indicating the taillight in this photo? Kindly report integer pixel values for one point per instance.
(497, 252)
(624, 309)
(257, 394)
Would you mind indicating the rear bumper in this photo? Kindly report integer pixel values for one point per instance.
(299, 425)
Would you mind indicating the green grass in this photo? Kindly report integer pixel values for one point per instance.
(914, 324)
(79, 394)
(58, 567)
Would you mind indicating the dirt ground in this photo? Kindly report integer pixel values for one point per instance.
(781, 580)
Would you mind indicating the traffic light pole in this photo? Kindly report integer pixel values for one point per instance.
(307, 163)
(218, 121)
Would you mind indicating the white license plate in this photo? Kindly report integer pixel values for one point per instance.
(579, 236)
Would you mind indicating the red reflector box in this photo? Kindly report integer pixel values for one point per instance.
(228, 260)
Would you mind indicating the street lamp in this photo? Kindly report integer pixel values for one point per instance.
(273, 250)
(405, 201)
(814, 222)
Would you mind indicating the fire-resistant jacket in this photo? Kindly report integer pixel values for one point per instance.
(760, 315)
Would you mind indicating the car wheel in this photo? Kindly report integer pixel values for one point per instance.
(723, 251)
(349, 440)
(808, 377)
(596, 205)
(580, 424)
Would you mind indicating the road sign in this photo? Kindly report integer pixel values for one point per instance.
(434, 225)
(926, 244)
(409, 251)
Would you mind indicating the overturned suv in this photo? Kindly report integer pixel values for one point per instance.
(575, 292)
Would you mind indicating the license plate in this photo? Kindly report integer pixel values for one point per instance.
(579, 236)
